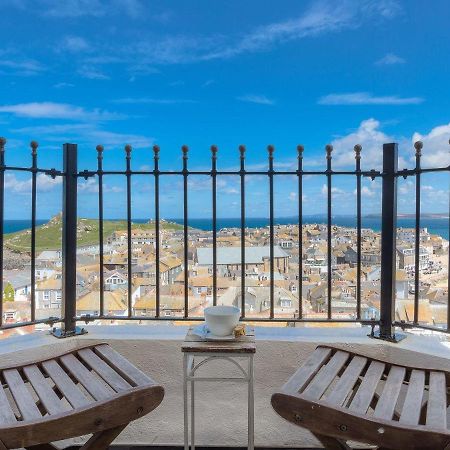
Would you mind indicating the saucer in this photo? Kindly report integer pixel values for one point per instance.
(203, 332)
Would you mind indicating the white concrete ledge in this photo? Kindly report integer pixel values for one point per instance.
(221, 419)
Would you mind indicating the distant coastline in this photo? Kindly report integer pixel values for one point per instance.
(436, 223)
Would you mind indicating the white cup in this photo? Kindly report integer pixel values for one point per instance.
(221, 320)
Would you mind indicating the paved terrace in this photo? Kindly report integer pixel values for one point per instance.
(221, 417)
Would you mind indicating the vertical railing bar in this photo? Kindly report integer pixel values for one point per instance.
(329, 149)
(2, 205)
(358, 149)
(185, 150)
(214, 218)
(300, 150)
(34, 145)
(388, 240)
(128, 150)
(157, 248)
(418, 147)
(271, 149)
(242, 176)
(100, 149)
(69, 240)
(448, 265)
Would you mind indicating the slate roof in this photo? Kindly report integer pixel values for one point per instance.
(232, 255)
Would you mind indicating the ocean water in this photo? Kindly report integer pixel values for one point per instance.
(439, 226)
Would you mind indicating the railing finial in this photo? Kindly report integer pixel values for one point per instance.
(185, 150)
(2, 144)
(270, 149)
(156, 151)
(99, 149)
(329, 149)
(34, 145)
(242, 151)
(214, 150)
(128, 149)
(300, 150)
(357, 148)
(418, 145)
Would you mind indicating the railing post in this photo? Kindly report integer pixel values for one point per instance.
(69, 245)
(388, 243)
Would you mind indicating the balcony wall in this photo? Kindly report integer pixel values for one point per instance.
(221, 409)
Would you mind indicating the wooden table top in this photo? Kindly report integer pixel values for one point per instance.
(243, 344)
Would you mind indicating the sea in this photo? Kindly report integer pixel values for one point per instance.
(439, 226)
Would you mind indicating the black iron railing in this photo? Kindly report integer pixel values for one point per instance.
(70, 174)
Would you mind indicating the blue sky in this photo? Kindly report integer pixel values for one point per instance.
(226, 73)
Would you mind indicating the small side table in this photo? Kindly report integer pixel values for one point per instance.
(196, 353)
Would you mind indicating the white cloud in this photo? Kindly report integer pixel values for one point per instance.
(156, 101)
(369, 135)
(74, 44)
(177, 83)
(436, 148)
(366, 98)
(390, 59)
(62, 85)
(50, 110)
(94, 8)
(323, 17)
(435, 152)
(406, 187)
(92, 73)
(259, 99)
(90, 186)
(87, 133)
(334, 190)
(44, 183)
(22, 67)
(365, 192)
(110, 138)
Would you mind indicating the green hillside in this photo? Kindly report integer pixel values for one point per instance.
(48, 236)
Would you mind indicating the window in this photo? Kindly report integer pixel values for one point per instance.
(285, 303)
(46, 295)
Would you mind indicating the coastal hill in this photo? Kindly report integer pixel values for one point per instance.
(48, 236)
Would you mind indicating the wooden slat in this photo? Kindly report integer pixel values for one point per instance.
(307, 371)
(22, 395)
(6, 413)
(386, 403)
(46, 394)
(413, 401)
(131, 373)
(325, 376)
(67, 387)
(346, 382)
(86, 378)
(366, 390)
(104, 370)
(437, 401)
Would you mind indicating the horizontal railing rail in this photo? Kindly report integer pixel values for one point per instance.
(70, 174)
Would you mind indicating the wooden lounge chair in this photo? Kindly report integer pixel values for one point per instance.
(340, 396)
(91, 390)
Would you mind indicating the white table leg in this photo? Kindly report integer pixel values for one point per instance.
(185, 402)
(251, 405)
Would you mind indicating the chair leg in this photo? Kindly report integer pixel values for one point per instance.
(331, 443)
(102, 439)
